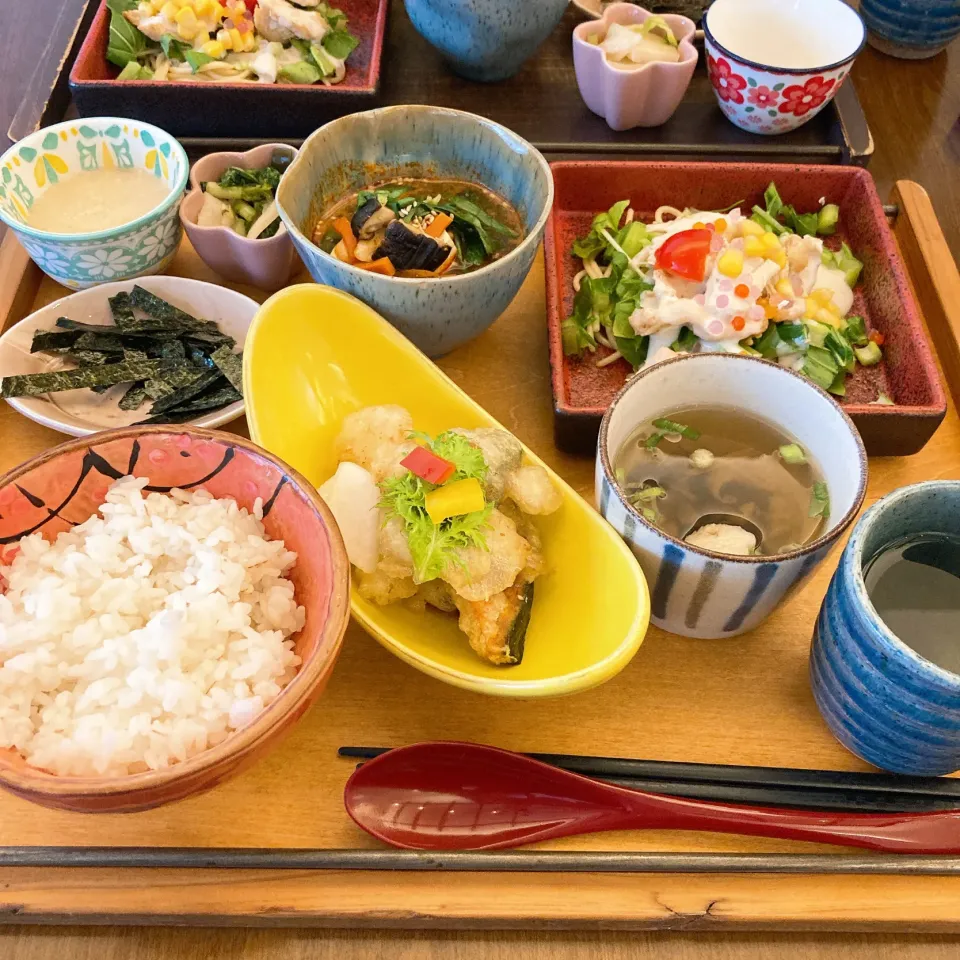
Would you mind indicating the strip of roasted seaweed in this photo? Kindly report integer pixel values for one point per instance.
(34, 384)
(154, 332)
(202, 338)
(173, 400)
(230, 365)
(100, 343)
(121, 309)
(211, 399)
(171, 416)
(157, 308)
(134, 398)
(129, 353)
(199, 356)
(173, 350)
(49, 340)
(86, 358)
(182, 374)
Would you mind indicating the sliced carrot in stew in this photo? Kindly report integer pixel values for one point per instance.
(342, 226)
(383, 265)
(439, 223)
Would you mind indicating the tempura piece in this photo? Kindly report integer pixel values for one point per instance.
(529, 487)
(376, 438)
(480, 572)
(502, 453)
(496, 627)
(380, 588)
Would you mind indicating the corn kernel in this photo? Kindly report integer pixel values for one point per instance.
(202, 7)
(785, 288)
(169, 10)
(749, 228)
(779, 257)
(200, 39)
(213, 48)
(249, 41)
(730, 263)
(236, 39)
(187, 23)
(823, 296)
(223, 36)
(770, 241)
(753, 247)
(218, 12)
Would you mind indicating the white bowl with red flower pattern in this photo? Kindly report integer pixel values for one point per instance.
(775, 64)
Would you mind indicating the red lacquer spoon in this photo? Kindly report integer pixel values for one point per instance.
(463, 796)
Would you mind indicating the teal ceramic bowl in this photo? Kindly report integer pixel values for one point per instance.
(51, 155)
(437, 314)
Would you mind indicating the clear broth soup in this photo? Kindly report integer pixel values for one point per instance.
(725, 463)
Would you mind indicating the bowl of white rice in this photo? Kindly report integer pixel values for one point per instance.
(172, 600)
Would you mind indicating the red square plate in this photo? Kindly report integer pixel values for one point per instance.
(908, 374)
(202, 109)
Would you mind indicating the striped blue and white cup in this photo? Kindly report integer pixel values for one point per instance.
(883, 700)
(696, 592)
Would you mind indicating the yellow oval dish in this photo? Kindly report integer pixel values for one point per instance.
(315, 354)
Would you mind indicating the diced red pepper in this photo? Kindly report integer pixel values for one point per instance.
(685, 254)
(428, 466)
(878, 338)
(251, 6)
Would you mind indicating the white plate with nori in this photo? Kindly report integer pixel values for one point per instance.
(169, 352)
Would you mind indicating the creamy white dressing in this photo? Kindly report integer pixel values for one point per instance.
(97, 200)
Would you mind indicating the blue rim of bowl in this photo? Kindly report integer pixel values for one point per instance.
(176, 192)
(767, 68)
(854, 561)
(503, 132)
(824, 540)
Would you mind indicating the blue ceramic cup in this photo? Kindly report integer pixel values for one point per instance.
(910, 29)
(882, 700)
(485, 40)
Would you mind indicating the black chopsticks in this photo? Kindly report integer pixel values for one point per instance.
(765, 786)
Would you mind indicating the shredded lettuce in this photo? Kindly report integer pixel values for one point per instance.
(434, 546)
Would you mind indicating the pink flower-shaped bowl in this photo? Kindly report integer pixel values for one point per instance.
(774, 65)
(66, 485)
(267, 264)
(644, 95)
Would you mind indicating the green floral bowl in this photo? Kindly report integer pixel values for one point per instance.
(80, 260)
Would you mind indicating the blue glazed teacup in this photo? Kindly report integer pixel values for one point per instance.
(485, 40)
(910, 29)
(882, 700)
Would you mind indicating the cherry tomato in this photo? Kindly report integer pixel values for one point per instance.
(685, 254)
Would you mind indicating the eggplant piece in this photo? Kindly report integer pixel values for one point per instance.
(409, 250)
(364, 212)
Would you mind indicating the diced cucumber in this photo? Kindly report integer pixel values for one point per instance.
(870, 355)
(827, 219)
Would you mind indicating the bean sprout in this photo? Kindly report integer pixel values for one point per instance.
(606, 361)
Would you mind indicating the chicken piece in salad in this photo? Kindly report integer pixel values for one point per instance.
(444, 522)
(261, 41)
(761, 283)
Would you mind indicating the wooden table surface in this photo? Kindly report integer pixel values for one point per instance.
(912, 109)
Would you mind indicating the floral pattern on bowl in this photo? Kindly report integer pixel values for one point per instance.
(644, 96)
(765, 98)
(141, 248)
(264, 263)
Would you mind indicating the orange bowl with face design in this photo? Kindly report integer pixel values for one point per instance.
(67, 484)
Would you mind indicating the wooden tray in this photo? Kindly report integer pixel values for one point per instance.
(542, 104)
(740, 701)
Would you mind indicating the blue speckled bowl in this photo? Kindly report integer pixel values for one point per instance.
(438, 314)
(881, 699)
(910, 29)
(486, 39)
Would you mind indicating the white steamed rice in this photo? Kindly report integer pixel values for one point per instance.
(145, 635)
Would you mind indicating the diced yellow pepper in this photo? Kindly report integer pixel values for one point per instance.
(730, 263)
(771, 241)
(750, 228)
(753, 247)
(454, 500)
(214, 48)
